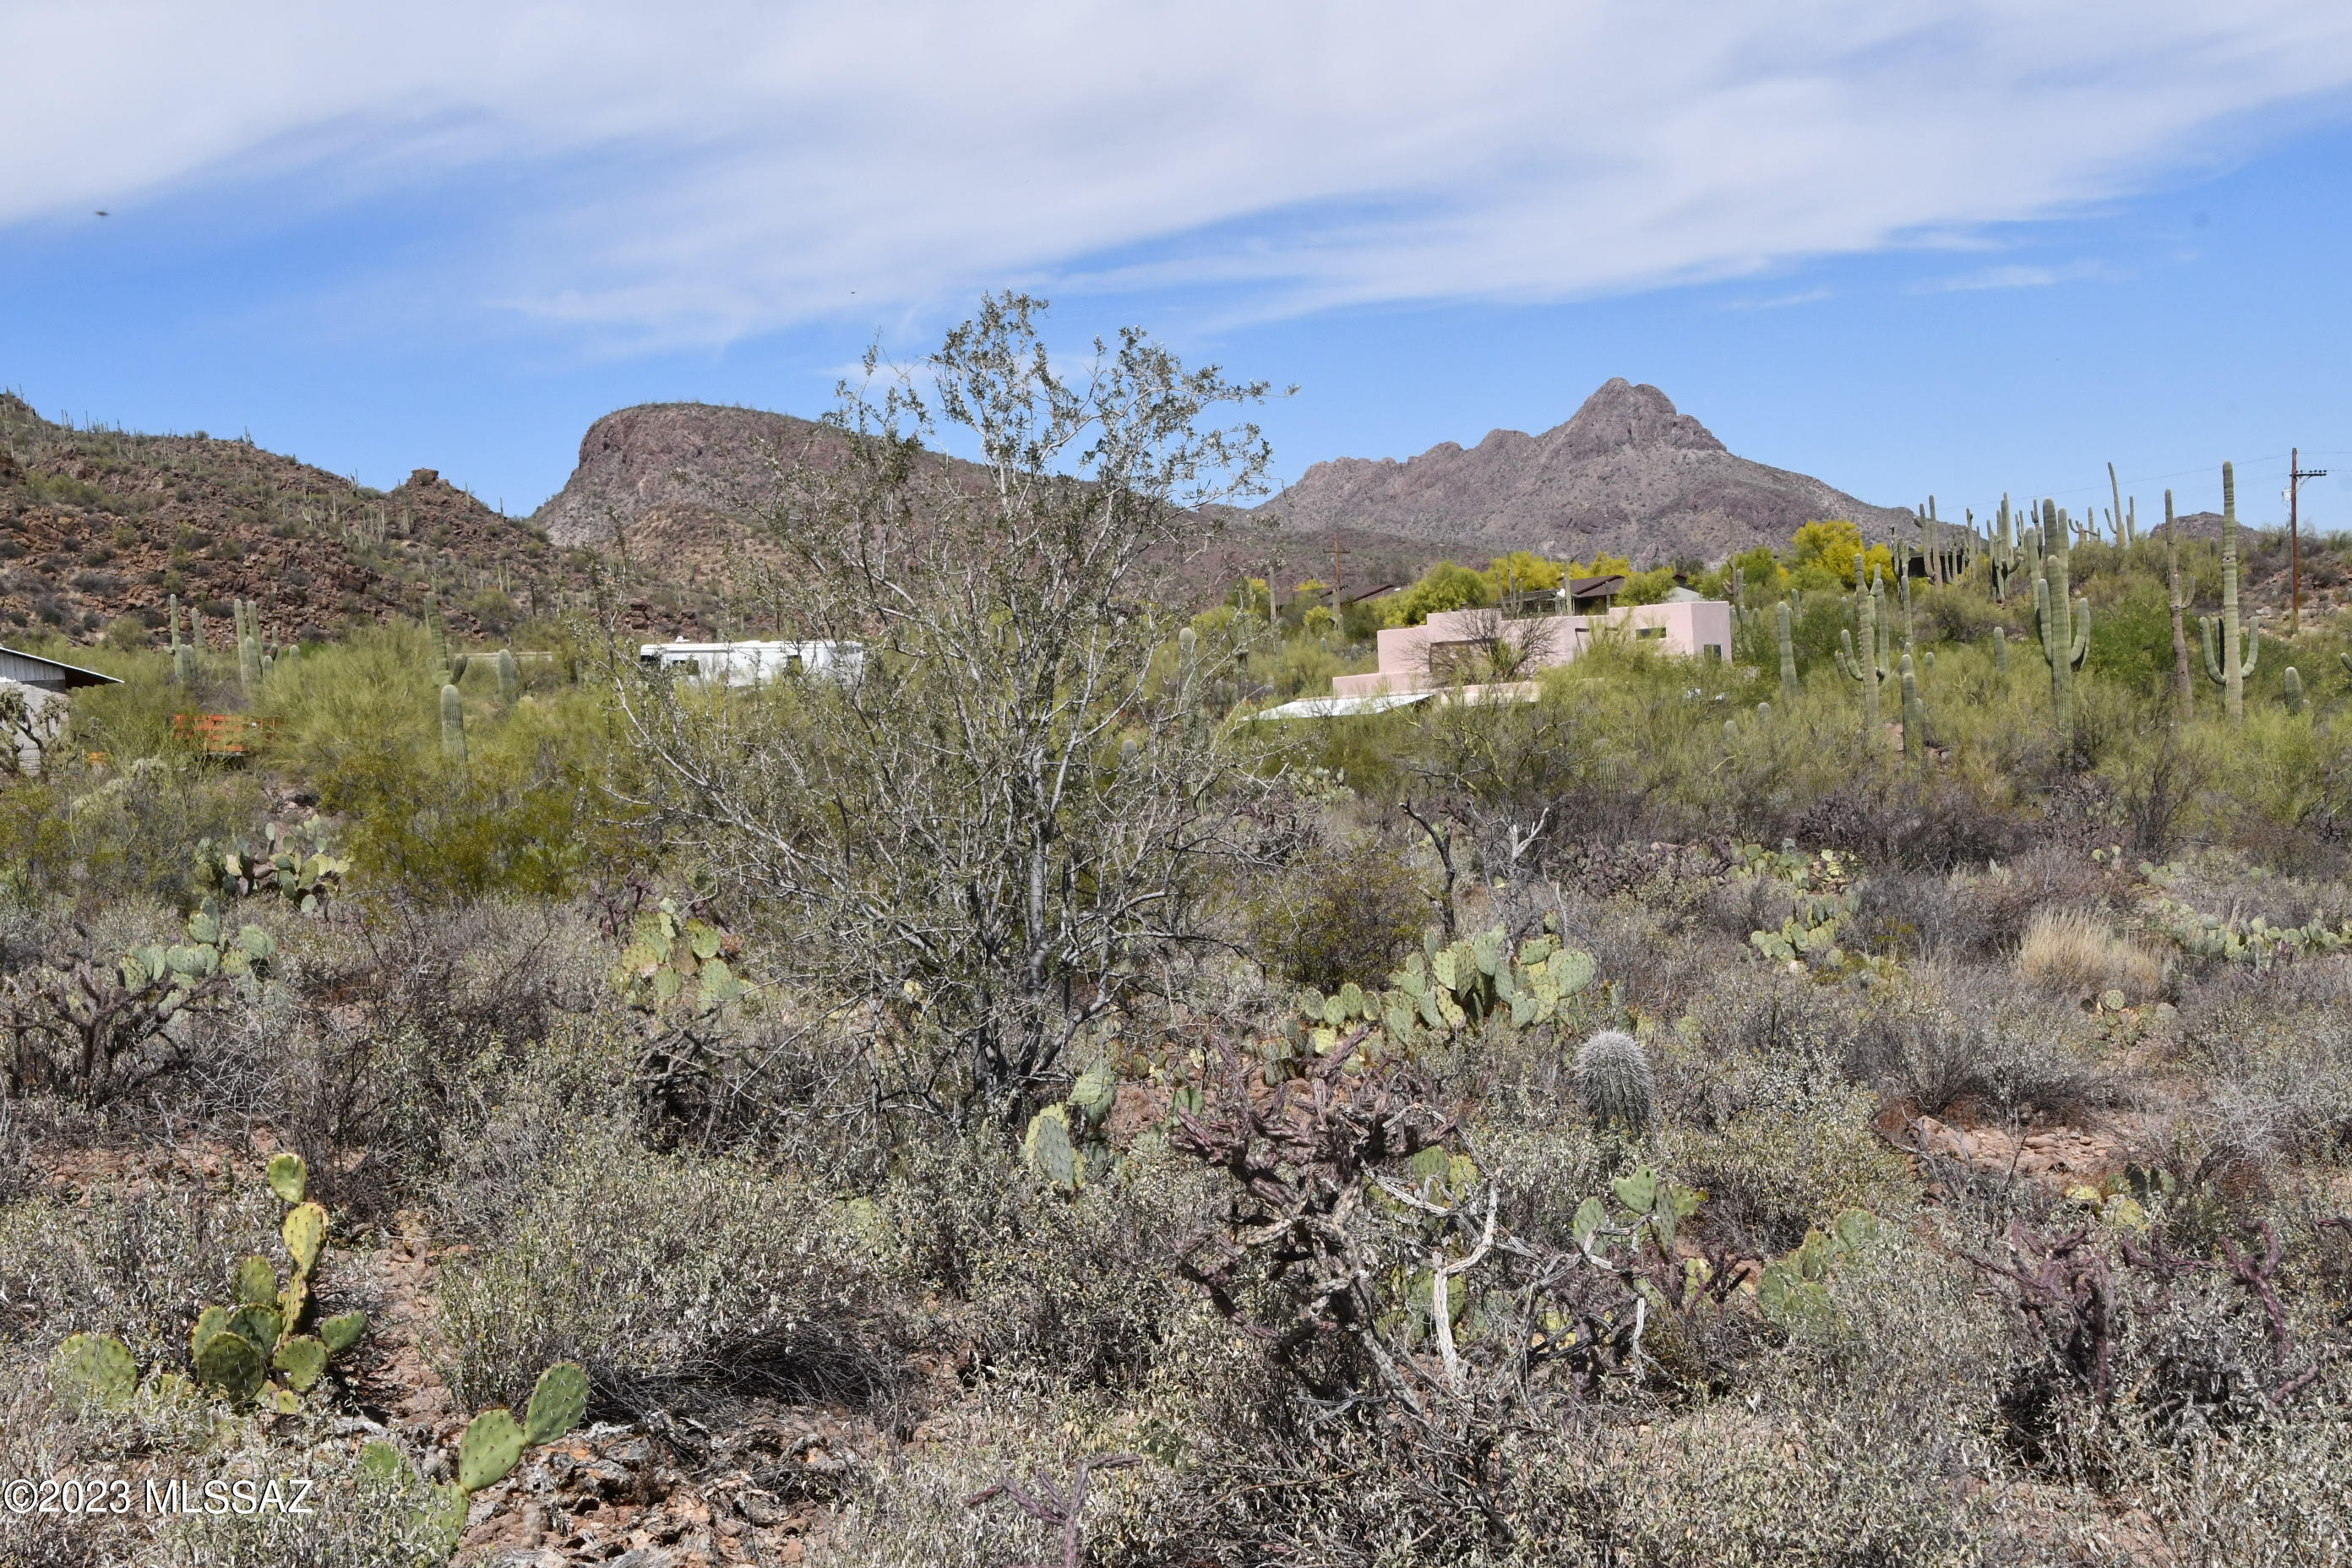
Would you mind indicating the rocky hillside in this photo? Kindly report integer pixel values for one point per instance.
(1627, 476)
(664, 472)
(682, 488)
(99, 528)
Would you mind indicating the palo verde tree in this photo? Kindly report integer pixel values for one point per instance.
(978, 844)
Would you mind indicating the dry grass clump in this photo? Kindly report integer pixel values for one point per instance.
(2076, 949)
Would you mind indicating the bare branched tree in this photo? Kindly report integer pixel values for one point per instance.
(1489, 646)
(985, 835)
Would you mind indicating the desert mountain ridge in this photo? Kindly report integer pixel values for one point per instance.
(97, 525)
(1627, 475)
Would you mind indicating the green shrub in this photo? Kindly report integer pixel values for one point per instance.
(1351, 910)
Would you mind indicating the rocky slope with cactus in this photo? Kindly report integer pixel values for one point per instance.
(1628, 475)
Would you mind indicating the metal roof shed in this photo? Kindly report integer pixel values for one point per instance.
(48, 674)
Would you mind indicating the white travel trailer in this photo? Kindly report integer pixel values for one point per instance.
(754, 663)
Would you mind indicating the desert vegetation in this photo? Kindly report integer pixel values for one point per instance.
(1879, 1099)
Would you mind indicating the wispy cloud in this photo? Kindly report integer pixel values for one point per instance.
(2018, 276)
(699, 172)
(1780, 301)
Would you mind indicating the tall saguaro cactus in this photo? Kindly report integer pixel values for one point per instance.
(1788, 652)
(1915, 716)
(248, 644)
(2184, 683)
(2003, 552)
(2064, 621)
(184, 658)
(2229, 664)
(1863, 664)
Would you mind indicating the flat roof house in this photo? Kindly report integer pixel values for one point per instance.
(33, 702)
(1453, 644)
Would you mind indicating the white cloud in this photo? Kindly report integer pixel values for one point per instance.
(707, 170)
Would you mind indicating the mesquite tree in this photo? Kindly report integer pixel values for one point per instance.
(978, 844)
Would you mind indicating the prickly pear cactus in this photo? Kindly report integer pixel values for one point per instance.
(229, 1364)
(1794, 1289)
(303, 1360)
(340, 1333)
(257, 1283)
(96, 1369)
(1094, 1095)
(288, 1177)
(677, 960)
(1047, 1149)
(305, 1233)
(487, 1452)
(557, 1403)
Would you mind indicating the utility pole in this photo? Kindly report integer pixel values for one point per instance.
(1336, 601)
(2295, 474)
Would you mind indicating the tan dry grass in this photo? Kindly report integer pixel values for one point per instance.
(2076, 949)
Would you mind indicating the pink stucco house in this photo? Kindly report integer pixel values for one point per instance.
(1454, 643)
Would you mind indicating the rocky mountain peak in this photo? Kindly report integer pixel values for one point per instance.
(1627, 475)
(1621, 414)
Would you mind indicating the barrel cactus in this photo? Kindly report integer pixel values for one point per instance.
(1613, 1082)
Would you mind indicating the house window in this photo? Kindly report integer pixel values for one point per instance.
(1650, 632)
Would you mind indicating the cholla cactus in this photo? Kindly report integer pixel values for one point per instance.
(1613, 1082)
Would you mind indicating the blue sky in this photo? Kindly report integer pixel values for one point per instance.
(1944, 247)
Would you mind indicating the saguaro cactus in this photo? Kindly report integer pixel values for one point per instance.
(2002, 555)
(1788, 652)
(184, 658)
(1861, 664)
(1915, 716)
(453, 724)
(248, 644)
(2229, 664)
(2292, 684)
(2064, 622)
(509, 680)
(1903, 578)
(2184, 683)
